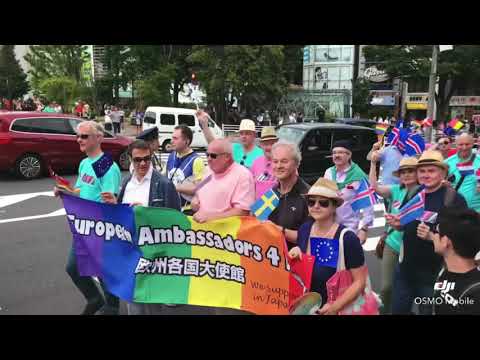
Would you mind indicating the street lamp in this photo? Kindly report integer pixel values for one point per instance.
(432, 84)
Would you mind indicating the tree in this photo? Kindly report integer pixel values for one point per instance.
(154, 90)
(170, 60)
(61, 89)
(13, 81)
(293, 63)
(255, 75)
(361, 97)
(56, 61)
(456, 68)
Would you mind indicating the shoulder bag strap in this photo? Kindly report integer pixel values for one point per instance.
(341, 254)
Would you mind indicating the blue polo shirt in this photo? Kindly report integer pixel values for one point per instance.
(390, 161)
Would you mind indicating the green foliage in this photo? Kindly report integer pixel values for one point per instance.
(456, 68)
(13, 83)
(154, 90)
(360, 98)
(254, 74)
(61, 89)
(56, 61)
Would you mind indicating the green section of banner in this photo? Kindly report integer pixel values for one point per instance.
(158, 288)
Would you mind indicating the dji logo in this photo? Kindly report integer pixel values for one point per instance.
(444, 286)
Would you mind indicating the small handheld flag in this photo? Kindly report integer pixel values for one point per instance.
(102, 165)
(264, 206)
(365, 197)
(428, 217)
(428, 122)
(381, 129)
(466, 168)
(414, 145)
(413, 209)
(478, 175)
(61, 182)
(449, 131)
(456, 124)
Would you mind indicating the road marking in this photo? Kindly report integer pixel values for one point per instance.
(59, 212)
(13, 199)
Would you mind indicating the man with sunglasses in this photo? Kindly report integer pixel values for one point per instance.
(230, 190)
(246, 152)
(150, 136)
(457, 289)
(462, 169)
(91, 187)
(145, 187)
(444, 145)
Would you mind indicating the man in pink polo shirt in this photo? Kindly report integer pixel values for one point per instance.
(262, 166)
(230, 191)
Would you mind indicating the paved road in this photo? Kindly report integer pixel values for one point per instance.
(34, 243)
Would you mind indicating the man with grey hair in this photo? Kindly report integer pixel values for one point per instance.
(463, 168)
(93, 185)
(292, 210)
(227, 189)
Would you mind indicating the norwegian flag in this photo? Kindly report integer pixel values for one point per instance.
(466, 168)
(413, 209)
(365, 196)
(415, 145)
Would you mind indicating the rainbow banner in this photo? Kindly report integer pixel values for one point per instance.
(157, 255)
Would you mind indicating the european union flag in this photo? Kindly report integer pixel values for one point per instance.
(325, 251)
(264, 206)
(102, 165)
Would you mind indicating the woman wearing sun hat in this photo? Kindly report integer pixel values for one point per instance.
(388, 248)
(320, 236)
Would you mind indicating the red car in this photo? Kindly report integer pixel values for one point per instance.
(31, 141)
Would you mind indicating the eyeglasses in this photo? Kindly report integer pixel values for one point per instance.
(213, 155)
(244, 158)
(83, 136)
(138, 160)
(323, 203)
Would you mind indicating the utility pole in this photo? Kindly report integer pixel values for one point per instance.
(431, 93)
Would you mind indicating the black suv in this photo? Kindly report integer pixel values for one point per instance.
(315, 141)
(357, 122)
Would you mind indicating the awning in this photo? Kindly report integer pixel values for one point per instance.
(416, 106)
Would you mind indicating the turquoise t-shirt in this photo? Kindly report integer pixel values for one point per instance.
(469, 187)
(239, 155)
(395, 239)
(90, 186)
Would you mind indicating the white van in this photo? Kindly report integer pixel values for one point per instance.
(167, 118)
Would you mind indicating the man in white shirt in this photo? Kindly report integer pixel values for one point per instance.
(145, 187)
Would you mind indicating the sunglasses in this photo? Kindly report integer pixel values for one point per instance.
(244, 158)
(323, 203)
(138, 160)
(83, 136)
(213, 155)
(444, 142)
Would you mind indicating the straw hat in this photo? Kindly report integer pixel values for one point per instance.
(432, 157)
(406, 163)
(268, 133)
(326, 188)
(247, 125)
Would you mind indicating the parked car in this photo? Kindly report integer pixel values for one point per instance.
(32, 141)
(166, 119)
(356, 122)
(315, 142)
